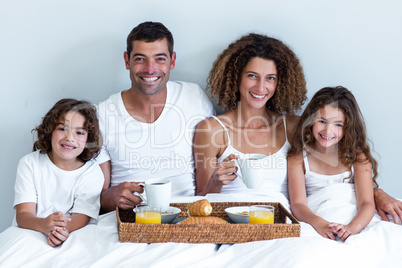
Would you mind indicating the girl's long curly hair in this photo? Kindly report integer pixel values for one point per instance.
(56, 115)
(224, 77)
(354, 140)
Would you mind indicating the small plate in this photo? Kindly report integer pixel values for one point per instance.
(170, 215)
(235, 216)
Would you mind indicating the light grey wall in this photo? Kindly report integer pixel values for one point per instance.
(55, 49)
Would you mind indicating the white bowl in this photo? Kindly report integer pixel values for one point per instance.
(170, 215)
(235, 216)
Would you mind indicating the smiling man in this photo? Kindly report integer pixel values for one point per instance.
(148, 129)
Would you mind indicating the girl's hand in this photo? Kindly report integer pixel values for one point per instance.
(54, 221)
(341, 231)
(225, 171)
(325, 231)
(57, 237)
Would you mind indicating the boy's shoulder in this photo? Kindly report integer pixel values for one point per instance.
(35, 156)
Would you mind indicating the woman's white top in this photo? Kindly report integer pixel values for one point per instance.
(275, 175)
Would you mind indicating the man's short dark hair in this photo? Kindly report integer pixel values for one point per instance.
(150, 32)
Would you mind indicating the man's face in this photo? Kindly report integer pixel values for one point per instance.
(149, 65)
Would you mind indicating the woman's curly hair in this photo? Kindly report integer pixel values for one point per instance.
(224, 77)
(56, 115)
(354, 140)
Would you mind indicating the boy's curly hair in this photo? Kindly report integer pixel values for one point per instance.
(224, 77)
(57, 114)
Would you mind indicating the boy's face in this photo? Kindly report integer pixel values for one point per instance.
(149, 65)
(68, 140)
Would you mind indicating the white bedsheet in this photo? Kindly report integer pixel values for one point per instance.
(380, 244)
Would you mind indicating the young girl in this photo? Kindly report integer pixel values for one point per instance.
(330, 146)
(58, 186)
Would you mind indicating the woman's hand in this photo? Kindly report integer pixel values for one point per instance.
(225, 171)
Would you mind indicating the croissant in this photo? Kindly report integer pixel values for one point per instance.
(200, 208)
(203, 220)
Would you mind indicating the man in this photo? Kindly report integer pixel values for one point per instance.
(148, 129)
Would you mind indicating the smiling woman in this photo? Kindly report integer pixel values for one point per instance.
(260, 83)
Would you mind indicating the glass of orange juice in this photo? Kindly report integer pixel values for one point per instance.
(147, 214)
(261, 214)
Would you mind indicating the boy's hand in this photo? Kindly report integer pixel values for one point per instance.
(57, 237)
(54, 221)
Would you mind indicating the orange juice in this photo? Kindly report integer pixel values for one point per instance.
(261, 217)
(148, 217)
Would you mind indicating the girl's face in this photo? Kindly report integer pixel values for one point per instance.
(258, 82)
(68, 139)
(328, 126)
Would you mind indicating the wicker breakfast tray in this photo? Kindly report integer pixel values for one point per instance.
(129, 231)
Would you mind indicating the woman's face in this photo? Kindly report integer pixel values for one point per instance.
(258, 82)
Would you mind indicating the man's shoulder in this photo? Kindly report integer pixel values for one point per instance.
(109, 105)
(112, 98)
(187, 90)
(186, 86)
(191, 97)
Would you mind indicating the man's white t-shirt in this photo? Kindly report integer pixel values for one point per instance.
(53, 189)
(139, 151)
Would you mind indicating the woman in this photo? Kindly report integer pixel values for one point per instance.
(260, 83)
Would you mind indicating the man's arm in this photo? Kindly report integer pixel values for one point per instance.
(118, 196)
(385, 203)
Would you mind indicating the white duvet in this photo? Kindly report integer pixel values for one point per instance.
(378, 245)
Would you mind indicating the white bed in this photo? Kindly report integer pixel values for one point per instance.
(378, 245)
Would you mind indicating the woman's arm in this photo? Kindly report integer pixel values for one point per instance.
(209, 175)
(298, 198)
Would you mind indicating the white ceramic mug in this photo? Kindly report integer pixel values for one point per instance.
(158, 192)
(252, 170)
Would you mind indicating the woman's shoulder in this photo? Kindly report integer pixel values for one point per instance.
(215, 122)
(292, 120)
(211, 129)
(291, 123)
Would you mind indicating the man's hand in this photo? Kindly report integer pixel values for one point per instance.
(121, 196)
(384, 203)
